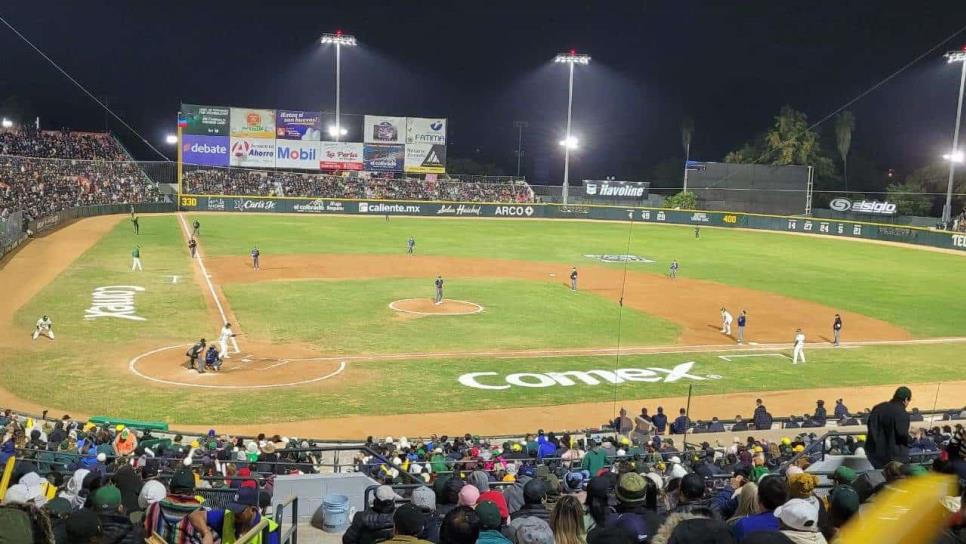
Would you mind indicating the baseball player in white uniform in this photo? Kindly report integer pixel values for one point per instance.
(45, 327)
(726, 319)
(226, 333)
(799, 349)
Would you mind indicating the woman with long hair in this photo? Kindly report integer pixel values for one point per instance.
(747, 502)
(567, 521)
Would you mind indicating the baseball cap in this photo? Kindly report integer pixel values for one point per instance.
(408, 520)
(531, 530)
(844, 475)
(631, 488)
(107, 497)
(798, 514)
(469, 494)
(423, 497)
(245, 498)
(489, 514)
(385, 493)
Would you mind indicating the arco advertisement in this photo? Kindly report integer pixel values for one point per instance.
(204, 150)
(425, 159)
(382, 129)
(420, 130)
(254, 152)
(297, 154)
(252, 123)
(383, 158)
(341, 156)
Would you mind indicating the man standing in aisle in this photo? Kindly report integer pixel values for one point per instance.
(837, 330)
(798, 352)
(888, 436)
(136, 258)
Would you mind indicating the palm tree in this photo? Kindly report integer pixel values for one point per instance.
(844, 124)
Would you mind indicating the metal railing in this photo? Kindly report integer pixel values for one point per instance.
(290, 535)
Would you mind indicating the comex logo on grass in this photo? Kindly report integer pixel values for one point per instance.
(114, 301)
(586, 377)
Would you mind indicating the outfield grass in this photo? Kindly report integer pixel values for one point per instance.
(354, 317)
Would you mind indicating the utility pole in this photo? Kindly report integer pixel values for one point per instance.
(520, 125)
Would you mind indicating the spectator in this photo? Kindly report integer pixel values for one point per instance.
(739, 426)
(701, 531)
(691, 499)
(660, 420)
(957, 452)
(636, 506)
(623, 424)
(460, 526)
(599, 511)
(408, 523)
(643, 427)
(681, 423)
(424, 499)
(820, 417)
(116, 526)
(84, 527)
(761, 418)
(567, 521)
(595, 459)
(841, 411)
(490, 524)
(534, 493)
(716, 426)
(772, 493)
(843, 504)
(376, 524)
(956, 533)
(468, 496)
(799, 521)
(888, 430)
(169, 515)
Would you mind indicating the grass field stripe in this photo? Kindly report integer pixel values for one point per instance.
(211, 287)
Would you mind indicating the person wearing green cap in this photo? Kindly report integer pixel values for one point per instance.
(888, 436)
(115, 524)
(490, 524)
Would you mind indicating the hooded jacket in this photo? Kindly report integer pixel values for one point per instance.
(888, 434)
(371, 525)
(514, 493)
(118, 529)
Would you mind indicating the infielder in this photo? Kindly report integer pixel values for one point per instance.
(673, 272)
(226, 333)
(136, 258)
(192, 247)
(799, 349)
(412, 244)
(45, 327)
(255, 254)
(439, 290)
(837, 329)
(726, 320)
(742, 321)
(573, 278)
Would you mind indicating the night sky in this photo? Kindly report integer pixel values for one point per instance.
(729, 65)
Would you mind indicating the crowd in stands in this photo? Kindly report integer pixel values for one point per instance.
(352, 185)
(43, 173)
(81, 482)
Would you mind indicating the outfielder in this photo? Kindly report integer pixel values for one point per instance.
(573, 278)
(136, 258)
(134, 223)
(439, 290)
(799, 349)
(45, 327)
(255, 254)
(226, 333)
(726, 320)
(412, 244)
(673, 272)
(196, 228)
(837, 329)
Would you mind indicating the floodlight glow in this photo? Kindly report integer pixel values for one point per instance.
(955, 156)
(171, 139)
(339, 38)
(570, 143)
(572, 58)
(956, 56)
(336, 131)
(7, 123)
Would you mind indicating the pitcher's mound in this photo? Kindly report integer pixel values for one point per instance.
(425, 306)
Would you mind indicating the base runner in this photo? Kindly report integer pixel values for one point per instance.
(45, 327)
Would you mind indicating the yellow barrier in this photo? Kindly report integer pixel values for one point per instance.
(7, 474)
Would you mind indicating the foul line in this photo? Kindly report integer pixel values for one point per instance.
(730, 357)
(204, 271)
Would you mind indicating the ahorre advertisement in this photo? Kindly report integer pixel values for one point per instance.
(420, 130)
(297, 154)
(383, 158)
(204, 150)
(252, 123)
(609, 188)
(205, 120)
(256, 152)
(425, 159)
(381, 129)
(341, 156)
(298, 125)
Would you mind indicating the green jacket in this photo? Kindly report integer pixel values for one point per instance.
(403, 539)
(136, 253)
(595, 460)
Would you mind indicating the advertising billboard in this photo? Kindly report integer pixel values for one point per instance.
(341, 156)
(252, 123)
(204, 150)
(297, 154)
(205, 120)
(381, 129)
(259, 152)
(425, 159)
(609, 188)
(298, 125)
(383, 158)
(425, 131)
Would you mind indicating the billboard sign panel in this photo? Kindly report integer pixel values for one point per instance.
(252, 123)
(383, 158)
(204, 150)
(425, 131)
(256, 152)
(341, 156)
(298, 125)
(608, 188)
(205, 120)
(380, 129)
(425, 159)
(297, 154)
(871, 207)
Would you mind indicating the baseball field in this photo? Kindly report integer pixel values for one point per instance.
(337, 335)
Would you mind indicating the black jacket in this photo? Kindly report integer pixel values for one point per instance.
(369, 527)
(118, 529)
(532, 511)
(888, 434)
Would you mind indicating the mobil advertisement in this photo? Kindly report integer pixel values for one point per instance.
(252, 123)
(420, 130)
(381, 129)
(297, 154)
(204, 150)
(205, 120)
(425, 159)
(254, 152)
(298, 125)
(341, 156)
(383, 158)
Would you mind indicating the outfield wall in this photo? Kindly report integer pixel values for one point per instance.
(809, 225)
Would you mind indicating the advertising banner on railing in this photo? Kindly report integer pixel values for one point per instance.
(298, 125)
(420, 130)
(425, 159)
(383, 158)
(297, 154)
(252, 123)
(205, 120)
(382, 129)
(204, 150)
(341, 156)
(254, 152)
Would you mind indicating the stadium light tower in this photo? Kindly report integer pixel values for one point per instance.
(951, 57)
(171, 139)
(569, 142)
(340, 40)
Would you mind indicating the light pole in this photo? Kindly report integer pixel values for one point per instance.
(569, 142)
(340, 40)
(520, 125)
(951, 57)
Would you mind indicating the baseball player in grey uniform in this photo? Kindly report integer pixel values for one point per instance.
(837, 329)
(439, 290)
(573, 278)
